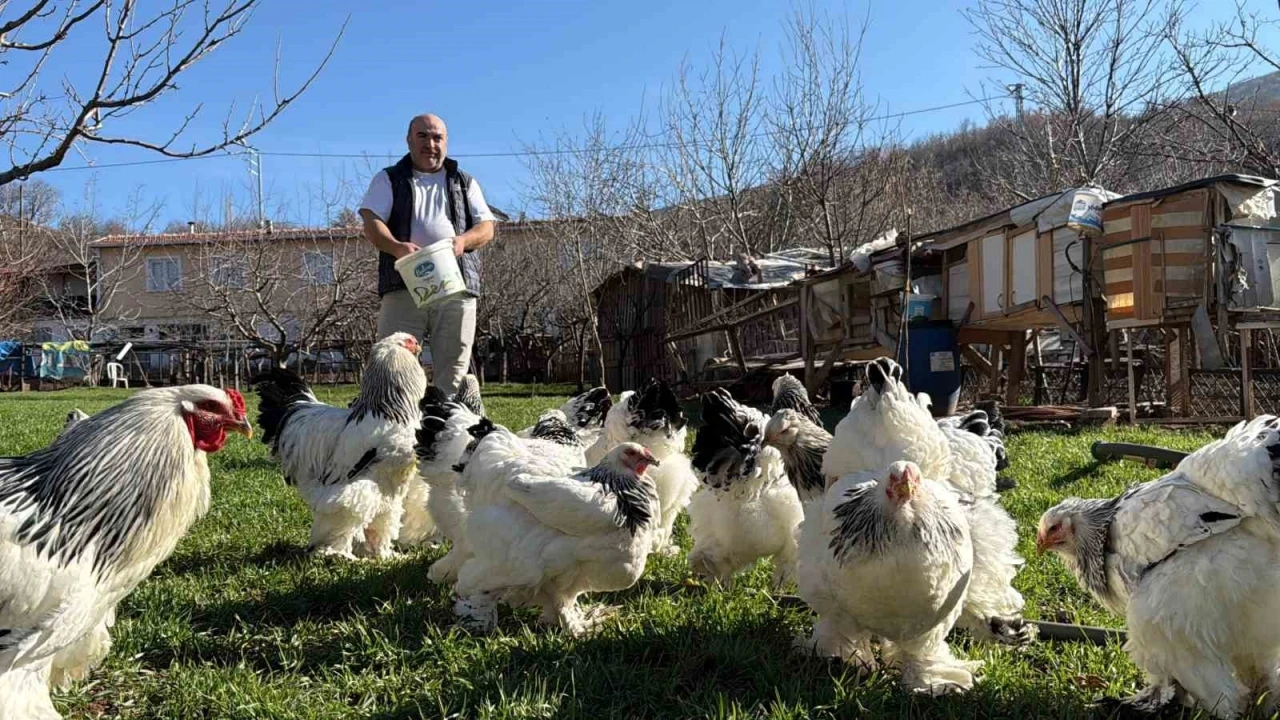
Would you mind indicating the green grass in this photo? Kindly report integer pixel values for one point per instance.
(240, 624)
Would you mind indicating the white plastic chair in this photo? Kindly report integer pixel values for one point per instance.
(115, 373)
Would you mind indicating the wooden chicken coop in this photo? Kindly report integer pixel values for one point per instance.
(1191, 280)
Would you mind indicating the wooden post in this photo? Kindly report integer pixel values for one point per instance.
(1017, 361)
(997, 364)
(1177, 380)
(1246, 373)
(1133, 391)
(806, 338)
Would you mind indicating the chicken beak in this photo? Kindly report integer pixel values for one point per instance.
(652, 461)
(1042, 543)
(243, 427)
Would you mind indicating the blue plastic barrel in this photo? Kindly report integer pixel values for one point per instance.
(931, 359)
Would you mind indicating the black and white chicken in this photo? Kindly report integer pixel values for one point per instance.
(1189, 561)
(746, 509)
(889, 556)
(887, 424)
(585, 412)
(86, 519)
(440, 443)
(542, 534)
(351, 465)
(653, 418)
(445, 444)
(790, 394)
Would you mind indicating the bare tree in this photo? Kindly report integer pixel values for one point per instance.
(34, 201)
(283, 292)
(1091, 73)
(144, 52)
(827, 146)
(86, 295)
(1230, 124)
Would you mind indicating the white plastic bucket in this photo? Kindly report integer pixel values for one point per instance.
(432, 273)
(1086, 212)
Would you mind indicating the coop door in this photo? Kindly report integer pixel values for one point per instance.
(1022, 283)
(993, 274)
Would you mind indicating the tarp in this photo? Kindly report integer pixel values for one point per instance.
(65, 360)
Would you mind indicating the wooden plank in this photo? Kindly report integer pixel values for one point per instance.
(1246, 374)
(981, 336)
(806, 339)
(975, 358)
(1017, 363)
(1065, 326)
(813, 385)
(735, 344)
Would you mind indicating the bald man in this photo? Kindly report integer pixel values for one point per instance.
(423, 199)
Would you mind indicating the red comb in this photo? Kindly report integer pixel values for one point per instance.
(237, 402)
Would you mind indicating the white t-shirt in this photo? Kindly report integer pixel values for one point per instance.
(430, 205)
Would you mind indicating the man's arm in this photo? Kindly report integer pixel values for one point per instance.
(377, 233)
(473, 239)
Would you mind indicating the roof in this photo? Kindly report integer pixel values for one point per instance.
(777, 270)
(200, 238)
(1231, 178)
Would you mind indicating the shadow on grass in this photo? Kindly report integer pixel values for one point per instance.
(1071, 478)
(696, 668)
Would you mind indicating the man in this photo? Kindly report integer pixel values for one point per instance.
(423, 199)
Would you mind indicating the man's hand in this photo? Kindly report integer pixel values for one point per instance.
(459, 246)
(399, 250)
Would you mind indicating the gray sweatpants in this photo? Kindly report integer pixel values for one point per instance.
(449, 327)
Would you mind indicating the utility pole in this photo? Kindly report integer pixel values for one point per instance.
(255, 169)
(1016, 91)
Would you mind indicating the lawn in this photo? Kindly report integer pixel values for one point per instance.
(240, 624)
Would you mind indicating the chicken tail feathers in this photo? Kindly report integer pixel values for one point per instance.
(468, 395)
(790, 394)
(279, 391)
(657, 405)
(727, 437)
(590, 407)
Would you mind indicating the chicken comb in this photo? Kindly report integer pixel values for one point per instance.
(237, 402)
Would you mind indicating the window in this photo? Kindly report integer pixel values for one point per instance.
(163, 274)
(226, 272)
(317, 268)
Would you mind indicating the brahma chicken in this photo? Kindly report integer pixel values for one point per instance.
(746, 509)
(887, 424)
(1189, 561)
(653, 418)
(889, 555)
(86, 519)
(435, 465)
(790, 394)
(351, 465)
(802, 444)
(585, 411)
(445, 442)
(541, 534)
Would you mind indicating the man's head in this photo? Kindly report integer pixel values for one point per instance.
(428, 141)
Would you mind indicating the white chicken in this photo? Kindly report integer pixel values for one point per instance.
(86, 519)
(447, 437)
(746, 509)
(542, 536)
(886, 424)
(1193, 572)
(889, 556)
(351, 465)
(435, 465)
(653, 418)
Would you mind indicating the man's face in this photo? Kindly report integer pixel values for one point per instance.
(428, 143)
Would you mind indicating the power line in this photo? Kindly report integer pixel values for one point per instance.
(475, 155)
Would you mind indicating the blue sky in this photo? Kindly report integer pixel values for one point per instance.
(500, 74)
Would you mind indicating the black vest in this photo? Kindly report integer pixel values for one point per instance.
(400, 222)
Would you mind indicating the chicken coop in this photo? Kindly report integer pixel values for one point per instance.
(1191, 281)
(700, 323)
